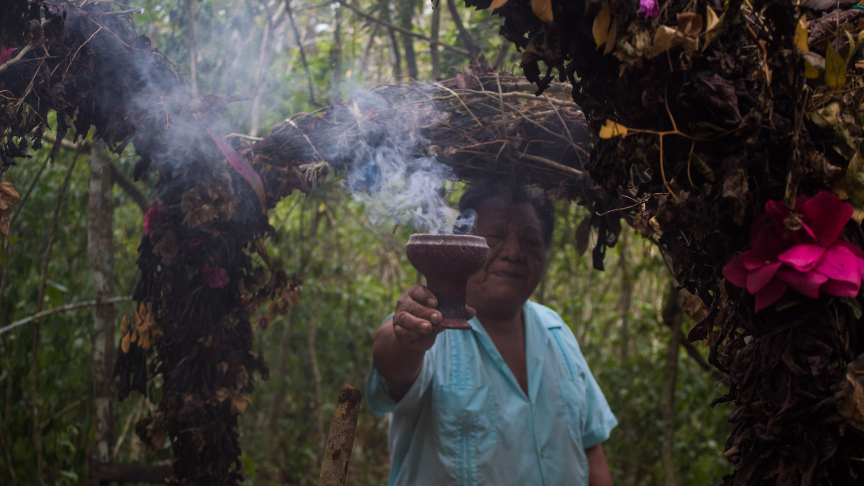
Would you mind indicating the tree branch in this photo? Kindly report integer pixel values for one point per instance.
(129, 187)
(463, 32)
(405, 31)
(57, 310)
(302, 53)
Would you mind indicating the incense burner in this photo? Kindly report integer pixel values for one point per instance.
(447, 262)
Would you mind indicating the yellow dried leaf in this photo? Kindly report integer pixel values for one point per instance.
(835, 68)
(664, 39)
(611, 129)
(801, 35)
(144, 340)
(600, 30)
(124, 325)
(125, 343)
(497, 4)
(713, 20)
(610, 39)
(542, 9)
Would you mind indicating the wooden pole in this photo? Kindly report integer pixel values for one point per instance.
(340, 440)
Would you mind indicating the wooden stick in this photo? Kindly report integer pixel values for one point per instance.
(340, 440)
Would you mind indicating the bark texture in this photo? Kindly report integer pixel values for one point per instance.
(671, 317)
(100, 252)
(340, 440)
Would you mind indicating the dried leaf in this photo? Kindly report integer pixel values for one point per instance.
(600, 30)
(610, 39)
(664, 39)
(583, 235)
(222, 394)
(542, 9)
(814, 65)
(124, 325)
(497, 4)
(239, 403)
(715, 28)
(801, 35)
(855, 181)
(611, 129)
(713, 20)
(835, 68)
(125, 343)
(9, 193)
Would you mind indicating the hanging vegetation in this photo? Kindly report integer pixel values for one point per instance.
(736, 108)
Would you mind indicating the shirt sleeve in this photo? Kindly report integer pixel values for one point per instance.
(599, 419)
(378, 395)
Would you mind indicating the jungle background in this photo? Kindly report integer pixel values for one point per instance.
(298, 56)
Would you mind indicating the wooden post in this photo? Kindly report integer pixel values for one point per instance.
(340, 440)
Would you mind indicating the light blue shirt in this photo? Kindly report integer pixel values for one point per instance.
(466, 421)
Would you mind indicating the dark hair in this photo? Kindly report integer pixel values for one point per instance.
(476, 194)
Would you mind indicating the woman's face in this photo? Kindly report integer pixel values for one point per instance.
(517, 258)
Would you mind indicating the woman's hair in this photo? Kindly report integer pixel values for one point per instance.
(477, 193)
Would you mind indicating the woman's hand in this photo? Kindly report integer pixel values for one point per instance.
(415, 320)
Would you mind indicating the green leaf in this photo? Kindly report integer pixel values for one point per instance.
(835, 68)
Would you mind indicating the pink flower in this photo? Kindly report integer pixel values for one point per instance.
(649, 8)
(153, 218)
(6, 54)
(215, 277)
(810, 260)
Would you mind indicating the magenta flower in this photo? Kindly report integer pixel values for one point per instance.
(6, 54)
(810, 260)
(153, 218)
(215, 277)
(650, 9)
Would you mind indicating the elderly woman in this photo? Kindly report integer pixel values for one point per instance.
(510, 402)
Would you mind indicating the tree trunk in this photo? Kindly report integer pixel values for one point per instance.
(406, 17)
(336, 56)
(672, 318)
(100, 252)
(463, 32)
(193, 46)
(396, 56)
(434, 52)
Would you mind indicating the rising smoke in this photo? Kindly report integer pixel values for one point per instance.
(393, 173)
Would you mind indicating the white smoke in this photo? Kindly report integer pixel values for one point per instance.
(392, 173)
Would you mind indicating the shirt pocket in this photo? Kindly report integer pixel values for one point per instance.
(465, 418)
(573, 393)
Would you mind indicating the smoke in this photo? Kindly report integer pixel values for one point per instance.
(393, 173)
(465, 223)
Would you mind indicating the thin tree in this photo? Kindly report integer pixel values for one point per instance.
(433, 46)
(463, 32)
(100, 252)
(672, 317)
(406, 18)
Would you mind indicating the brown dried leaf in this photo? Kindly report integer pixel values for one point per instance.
(240, 402)
(242, 377)
(542, 9)
(9, 193)
(600, 30)
(610, 40)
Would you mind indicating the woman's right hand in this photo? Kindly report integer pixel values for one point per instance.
(415, 322)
